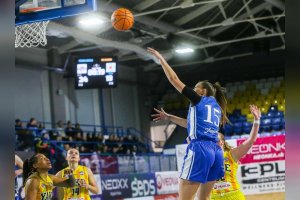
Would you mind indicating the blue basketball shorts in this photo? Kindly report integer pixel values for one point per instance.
(203, 162)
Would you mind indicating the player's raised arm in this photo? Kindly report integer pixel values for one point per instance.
(162, 115)
(238, 152)
(171, 75)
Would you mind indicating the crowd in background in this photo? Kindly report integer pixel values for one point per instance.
(34, 135)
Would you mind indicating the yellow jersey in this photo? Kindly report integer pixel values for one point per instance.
(77, 192)
(229, 182)
(45, 187)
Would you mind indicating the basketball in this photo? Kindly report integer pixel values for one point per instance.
(122, 19)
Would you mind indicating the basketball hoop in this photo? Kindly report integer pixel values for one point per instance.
(31, 35)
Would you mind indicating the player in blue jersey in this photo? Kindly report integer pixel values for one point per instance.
(203, 163)
(18, 171)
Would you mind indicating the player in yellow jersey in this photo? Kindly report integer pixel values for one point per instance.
(85, 180)
(228, 188)
(38, 183)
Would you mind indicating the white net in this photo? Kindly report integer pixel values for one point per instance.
(31, 35)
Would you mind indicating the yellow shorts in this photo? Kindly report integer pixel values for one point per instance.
(234, 195)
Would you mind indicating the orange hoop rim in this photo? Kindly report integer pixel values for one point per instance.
(29, 10)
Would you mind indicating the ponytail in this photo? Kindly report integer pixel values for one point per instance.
(221, 99)
(28, 168)
(226, 146)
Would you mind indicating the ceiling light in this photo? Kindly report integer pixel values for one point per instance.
(91, 21)
(184, 50)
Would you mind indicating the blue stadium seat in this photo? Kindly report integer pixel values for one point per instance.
(276, 123)
(241, 118)
(238, 128)
(228, 129)
(279, 114)
(263, 116)
(247, 127)
(273, 108)
(266, 125)
(270, 115)
(232, 118)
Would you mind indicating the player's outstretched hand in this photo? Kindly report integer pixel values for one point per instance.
(255, 111)
(155, 53)
(160, 115)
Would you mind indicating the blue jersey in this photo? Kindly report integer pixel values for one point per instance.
(16, 183)
(204, 119)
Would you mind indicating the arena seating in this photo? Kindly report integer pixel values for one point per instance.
(268, 94)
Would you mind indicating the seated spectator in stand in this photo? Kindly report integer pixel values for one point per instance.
(60, 128)
(95, 137)
(109, 143)
(90, 137)
(100, 138)
(32, 123)
(105, 149)
(18, 124)
(115, 143)
(83, 149)
(70, 130)
(32, 126)
(134, 150)
(66, 146)
(42, 145)
(128, 142)
(88, 147)
(78, 137)
(121, 148)
(58, 142)
(77, 128)
(21, 135)
(41, 128)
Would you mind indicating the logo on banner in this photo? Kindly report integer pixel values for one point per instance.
(263, 177)
(265, 149)
(262, 169)
(115, 184)
(165, 181)
(144, 187)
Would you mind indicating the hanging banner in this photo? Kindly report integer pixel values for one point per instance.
(265, 149)
(167, 182)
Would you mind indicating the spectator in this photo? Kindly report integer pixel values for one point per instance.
(41, 128)
(109, 143)
(128, 142)
(32, 123)
(60, 129)
(70, 130)
(18, 123)
(42, 145)
(90, 137)
(21, 134)
(100, 138)
(78, 137)
(66, 146)
(77, 128)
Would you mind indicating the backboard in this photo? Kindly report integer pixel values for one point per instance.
(29, 11)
